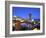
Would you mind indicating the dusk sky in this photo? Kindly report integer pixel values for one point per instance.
(24, 12)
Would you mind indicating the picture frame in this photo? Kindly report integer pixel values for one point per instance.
(9, 5)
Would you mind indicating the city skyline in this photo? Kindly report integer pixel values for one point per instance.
(24, 12)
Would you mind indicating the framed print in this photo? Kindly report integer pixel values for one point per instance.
(24, 18)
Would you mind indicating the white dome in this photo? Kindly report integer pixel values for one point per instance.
(14, 16)
(32, 19)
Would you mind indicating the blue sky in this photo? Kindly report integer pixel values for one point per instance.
(24, 12)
